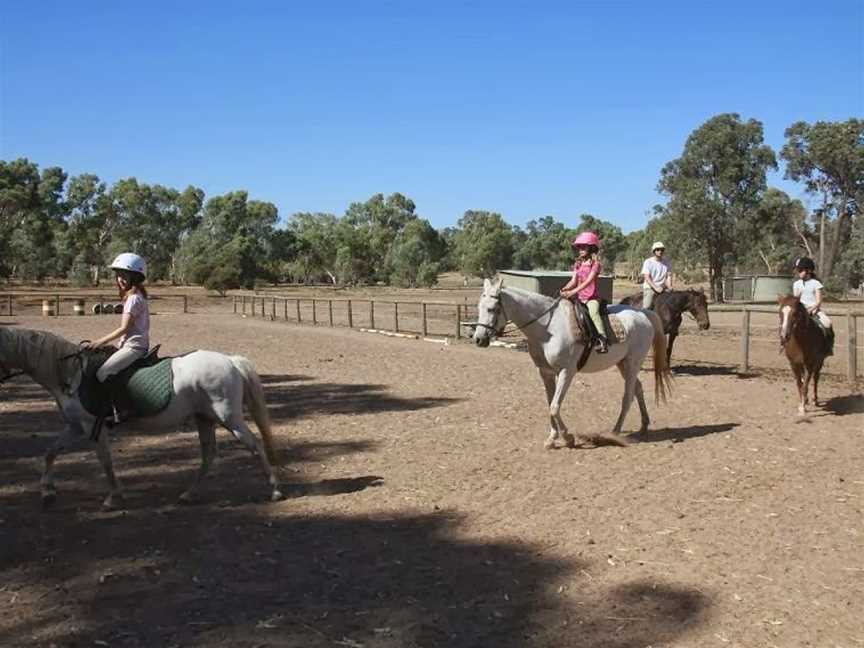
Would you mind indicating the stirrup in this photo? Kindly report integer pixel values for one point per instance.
(602, 345)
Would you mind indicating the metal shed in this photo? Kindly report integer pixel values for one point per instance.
(757, 288)
(549, 282)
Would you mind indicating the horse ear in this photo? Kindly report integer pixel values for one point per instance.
(498, 284)
(780, 298)
(486, 285)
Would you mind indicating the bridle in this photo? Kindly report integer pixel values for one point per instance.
(499, 332)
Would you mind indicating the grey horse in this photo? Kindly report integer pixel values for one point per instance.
(209, 386)
(555, 344)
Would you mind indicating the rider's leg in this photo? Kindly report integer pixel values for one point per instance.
(647, 296)
(594, 311)
(829, 330)
(116, 363)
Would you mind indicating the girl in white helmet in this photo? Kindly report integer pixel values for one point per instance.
(134, 330)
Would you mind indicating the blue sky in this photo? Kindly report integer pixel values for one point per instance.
(528, 109)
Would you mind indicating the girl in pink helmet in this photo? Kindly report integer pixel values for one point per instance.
(583, 284)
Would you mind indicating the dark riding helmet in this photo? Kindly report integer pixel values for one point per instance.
(805, 263)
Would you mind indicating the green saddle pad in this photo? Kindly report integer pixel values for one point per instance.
(147, 390)
(151, 389)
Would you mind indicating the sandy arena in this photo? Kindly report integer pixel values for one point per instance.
(424, 511)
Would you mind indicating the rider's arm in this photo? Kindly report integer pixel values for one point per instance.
(816, 306)
(125, 325)
(650, 282)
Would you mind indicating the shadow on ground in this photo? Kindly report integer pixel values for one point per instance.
(843, 405)
(258, 576)
(681, 433)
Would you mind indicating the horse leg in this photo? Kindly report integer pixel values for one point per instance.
(103, 451)
(68, 438)
(816, 371)
(808, 374)
(562, 384)
(798, 370)
(207, 439)
(244, 435)
(549, 385)
(623, 367)
(672, 335)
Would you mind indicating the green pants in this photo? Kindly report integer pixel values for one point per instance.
(594, 310)
(648, 295)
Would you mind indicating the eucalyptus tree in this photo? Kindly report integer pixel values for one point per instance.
(718, 180)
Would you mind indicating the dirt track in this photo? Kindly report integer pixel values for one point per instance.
(426, 513)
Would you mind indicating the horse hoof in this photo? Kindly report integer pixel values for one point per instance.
(569, 441)
(187, 499)
(48, 499)
(549, 445)
(276, 496)
(112, 503)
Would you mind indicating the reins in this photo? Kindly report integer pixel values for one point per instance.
(507, 318)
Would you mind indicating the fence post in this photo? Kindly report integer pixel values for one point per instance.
(852, 340)
(314, 312)
(57, 306)
(273, 309)
(330, 309)
(745, 340)
(423, 317)
(298, 310)
(458, 321)
(10, 305)
(285, 309)
(371, 314)
(262, 308)
(185, 304)
(350, 317)
(234, 297)
(396, 316)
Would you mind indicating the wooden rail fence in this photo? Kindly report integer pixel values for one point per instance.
(12, 302)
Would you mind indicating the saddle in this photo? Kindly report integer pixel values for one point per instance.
(145, 388)
(589, 331)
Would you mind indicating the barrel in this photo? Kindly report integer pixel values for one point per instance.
(47, 308)
(78, 307)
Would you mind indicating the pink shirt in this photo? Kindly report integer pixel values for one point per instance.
(138, 335)
(580, 273)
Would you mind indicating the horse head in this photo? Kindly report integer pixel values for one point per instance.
(697, 305)
(791, 313)
(490, 315)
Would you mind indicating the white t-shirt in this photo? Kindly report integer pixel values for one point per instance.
(806, 291)
(138, 335)
(657, 270)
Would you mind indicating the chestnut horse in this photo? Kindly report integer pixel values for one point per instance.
(804, 343)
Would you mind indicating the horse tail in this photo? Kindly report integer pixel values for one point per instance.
(662, 374)
(253, 397)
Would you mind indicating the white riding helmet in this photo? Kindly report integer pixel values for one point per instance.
(658, 245)
(131, 262)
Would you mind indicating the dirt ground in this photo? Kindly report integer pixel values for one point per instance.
(424, 510)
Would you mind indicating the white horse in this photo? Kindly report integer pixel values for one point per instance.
(210, 386)
(555, 344)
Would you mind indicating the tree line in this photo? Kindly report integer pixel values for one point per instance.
(720, 217)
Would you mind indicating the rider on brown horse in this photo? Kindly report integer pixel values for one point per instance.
(808, 289)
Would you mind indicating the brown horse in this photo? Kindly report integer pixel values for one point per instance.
(804, 343)
(670, 306)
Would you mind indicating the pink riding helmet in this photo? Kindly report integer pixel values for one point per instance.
(586, 238)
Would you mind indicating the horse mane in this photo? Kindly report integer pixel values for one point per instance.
(41, 349)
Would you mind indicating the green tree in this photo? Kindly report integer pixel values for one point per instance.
(483, 243)
(545, 244)
(415, 255)
(92, 219)
(612, 241)
(775, 234)
(717, 181)
(317, 245)
(829, 158)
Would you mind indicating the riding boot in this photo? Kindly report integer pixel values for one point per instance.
(602, 344)
(829, 341)
(118, 403)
